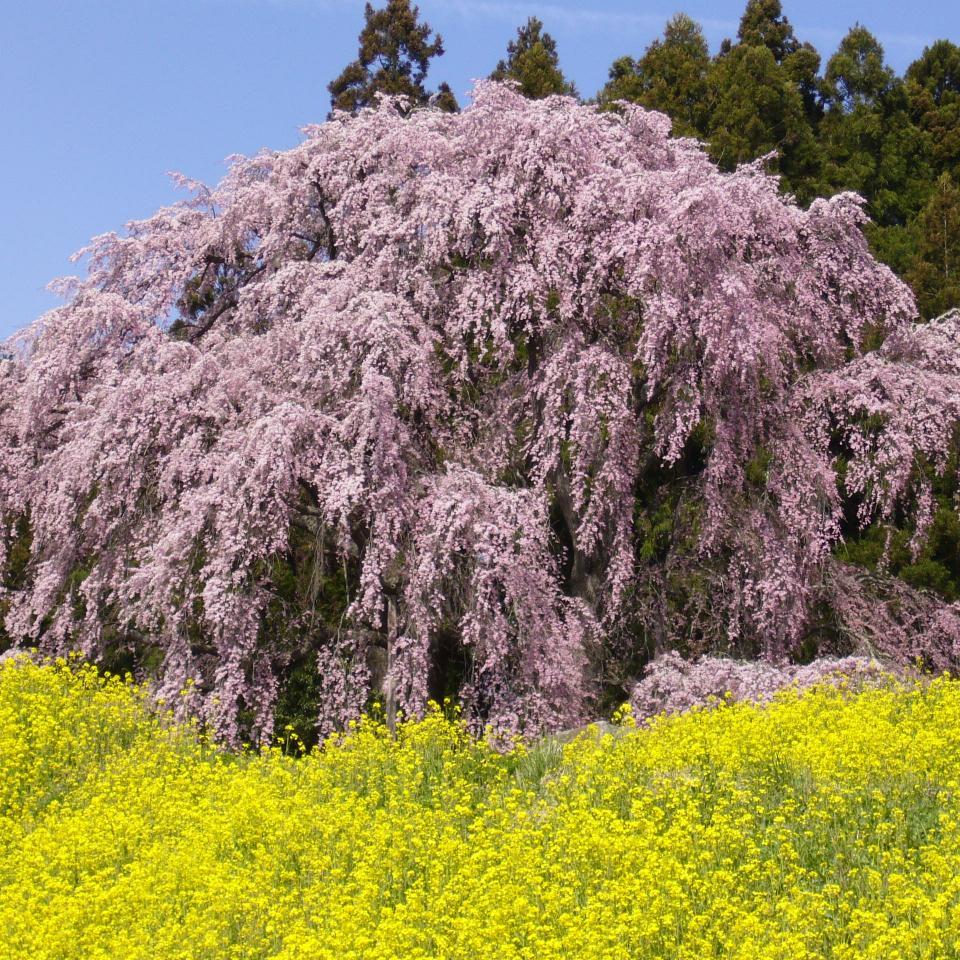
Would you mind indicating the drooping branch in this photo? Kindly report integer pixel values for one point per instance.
(526, 373)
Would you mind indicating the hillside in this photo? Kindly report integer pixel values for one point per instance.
(821, 825)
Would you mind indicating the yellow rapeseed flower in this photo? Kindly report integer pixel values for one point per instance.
(825, 824)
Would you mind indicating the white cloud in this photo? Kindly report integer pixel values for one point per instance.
(578, 16)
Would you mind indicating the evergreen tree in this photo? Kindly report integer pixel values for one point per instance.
(671, 77)
(933, 89)
(533, 62)
(445, 99)
(857, 86)
(760, 95)
(857, 74)
(757, 109)
(763, 25)
(872, 146)
(802, 67)
(394, 56)
(858, 128)
(764, 98)
(935, 272)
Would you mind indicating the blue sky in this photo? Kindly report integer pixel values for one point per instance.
(102, 97)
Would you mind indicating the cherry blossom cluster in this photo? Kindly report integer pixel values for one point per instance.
(671, 684)
(452, 350)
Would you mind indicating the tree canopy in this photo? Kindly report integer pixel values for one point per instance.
(394, 56)
(495, 403)
(758, 110)
(671, 77)
(872, 146)
(854, 126)
(532, 61)
(935, 270)
(933, 88)
(764, 25)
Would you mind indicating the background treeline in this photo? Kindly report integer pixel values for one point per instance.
(845, 123)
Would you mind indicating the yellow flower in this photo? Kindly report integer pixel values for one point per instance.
(824, 824)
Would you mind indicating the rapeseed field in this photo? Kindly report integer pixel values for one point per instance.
(825, 824)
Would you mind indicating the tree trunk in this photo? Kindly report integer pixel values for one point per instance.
(583, 579)
(389, 687)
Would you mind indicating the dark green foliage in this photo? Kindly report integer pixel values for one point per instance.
(13, 574)
(298, 702)
(764, 25)
(758, 96)
(533, 62)
(933, 90)
(802, 68)
(936, 567)
(310, 594)
(857, 127)
(870, 142)
(394, 57)
(758, 109)
(857, 74)
(775, 105)
(935, 270)
(445, 99)
(670, 77)
(884, 547)
(671, 596)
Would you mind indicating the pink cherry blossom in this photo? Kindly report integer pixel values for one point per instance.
(454, 348)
